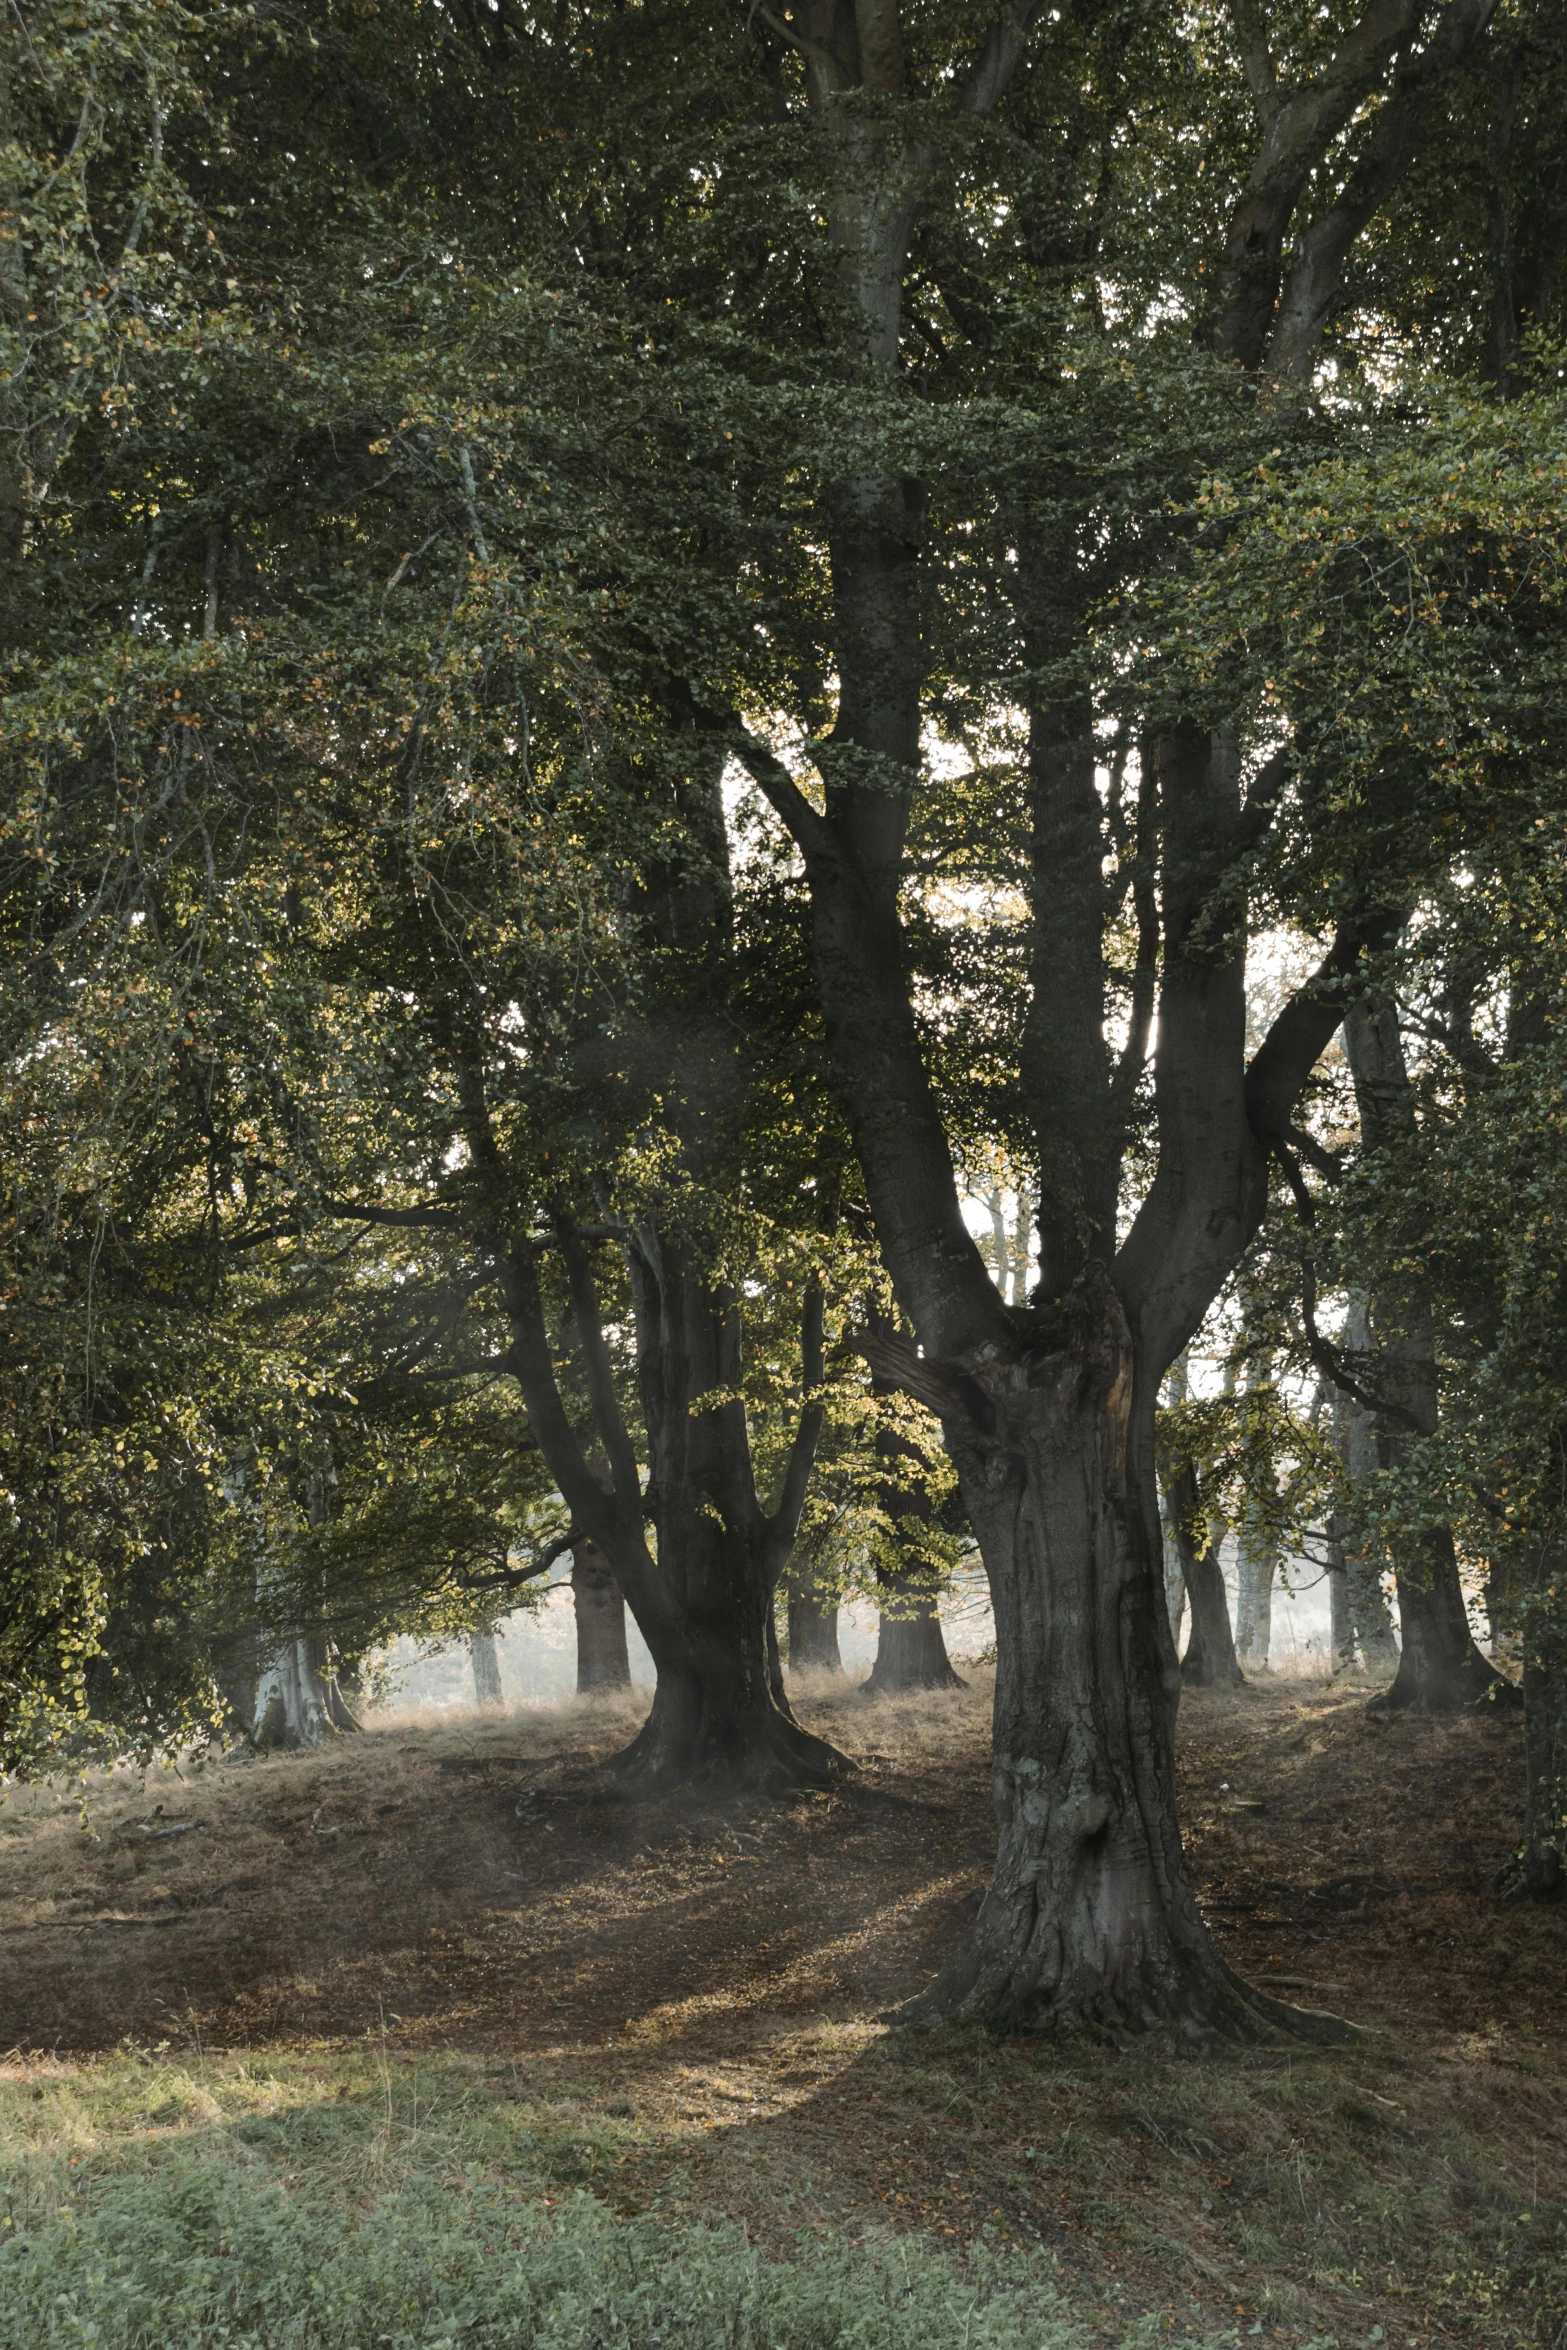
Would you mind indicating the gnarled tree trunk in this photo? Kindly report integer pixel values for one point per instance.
(1089, 1919)
(703, 1595)
(603, 1660)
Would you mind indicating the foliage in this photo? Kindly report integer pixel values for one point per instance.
(196, 2253)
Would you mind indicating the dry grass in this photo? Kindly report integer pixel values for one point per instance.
(679, 2004)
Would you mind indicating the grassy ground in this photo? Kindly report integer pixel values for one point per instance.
(437, 1984)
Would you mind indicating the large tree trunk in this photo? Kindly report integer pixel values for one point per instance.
(813, 1630)
(297, 1699)
(1440, 1669)
(911, 1648)
(703, 1597)
(486, 1661)
(719, 1712)
(603, 1660)
(1089, 1921)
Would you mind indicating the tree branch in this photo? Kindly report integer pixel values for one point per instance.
(509, 1577)
(784, 1524)
(1251, 38)
(528, 1357)
(1304, 1028)
(1316, 273)
(597, 1368)
(806, 828)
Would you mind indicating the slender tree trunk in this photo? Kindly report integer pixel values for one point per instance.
(1256, 1564)
(486, 1669)
(813, 1630)
(1341, 1630)
(603, 1660)
(1355, 1439)
(1174, 1574)
(1210, 1660)
(1374, 1634)
(1540, 1869)
(1439, 1666)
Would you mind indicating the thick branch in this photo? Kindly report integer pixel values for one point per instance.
(1299, 136)
(509, 1578)
(597, 1368)
(1304, 1028)
(784, 1524)
(591, 1505)
(1316, 273)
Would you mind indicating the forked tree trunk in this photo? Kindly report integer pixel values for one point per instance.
(486, 1669)
(1089, 1921)
(603, 1659)
(719, 1714)
(813, 1631)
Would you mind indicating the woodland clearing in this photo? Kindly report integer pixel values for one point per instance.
(451, 1948)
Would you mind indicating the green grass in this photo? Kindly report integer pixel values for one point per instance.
(344, 2204)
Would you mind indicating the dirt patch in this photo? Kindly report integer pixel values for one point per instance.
(718, 1973)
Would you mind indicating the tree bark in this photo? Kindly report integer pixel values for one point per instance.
(1210, 1660)
(603, 1660)
(1439, 1667)
(1089, 1921)
(1341, 1631)
(294, 1698)
(1369, 1626)
(1540, 1868)
(1256, 1564)
(911, 1648)
(703, 1596)
(813, 1630)
(487, 1688)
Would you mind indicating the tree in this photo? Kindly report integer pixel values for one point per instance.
(1049, 1413)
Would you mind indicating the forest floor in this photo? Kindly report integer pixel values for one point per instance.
(679, 2005)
